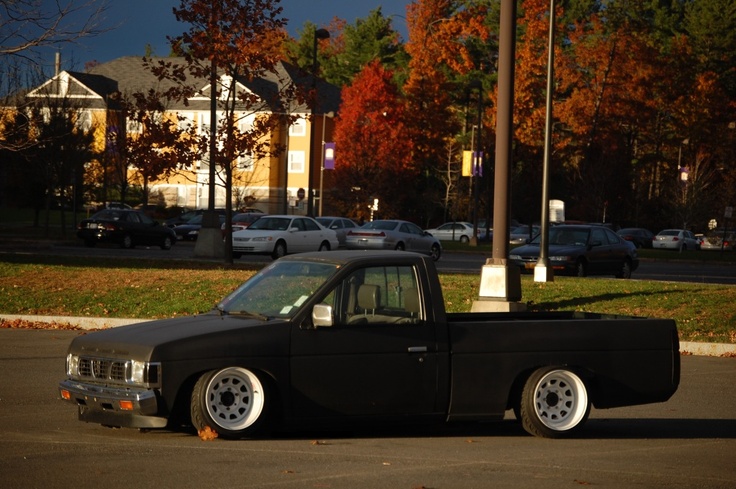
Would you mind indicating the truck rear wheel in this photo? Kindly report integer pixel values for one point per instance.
(231, 401)
(554, 403)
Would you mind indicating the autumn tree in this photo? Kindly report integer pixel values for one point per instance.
(438, 45)
(49, 173)
(374, 155)
(147, 138)
(230, 43)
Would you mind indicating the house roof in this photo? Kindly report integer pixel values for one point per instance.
(128, 75)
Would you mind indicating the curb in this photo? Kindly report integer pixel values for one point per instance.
(686, 347)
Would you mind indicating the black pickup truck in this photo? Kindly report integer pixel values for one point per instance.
(363, 337)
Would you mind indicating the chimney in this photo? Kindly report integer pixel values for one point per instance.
(57, 64)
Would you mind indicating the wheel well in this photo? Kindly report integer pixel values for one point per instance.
(179, 413)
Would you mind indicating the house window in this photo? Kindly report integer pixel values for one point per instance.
(84, 120)
(296, 161)
(245, 162)
(132, 126)
(203, 127)
(185, 121)
(298, 128)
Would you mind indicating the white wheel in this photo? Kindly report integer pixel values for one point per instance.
(554, 403)
(231, 401)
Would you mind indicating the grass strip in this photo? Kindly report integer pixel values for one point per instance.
(137, 288)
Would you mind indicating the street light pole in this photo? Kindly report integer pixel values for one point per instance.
(318, 34)
(543, 272)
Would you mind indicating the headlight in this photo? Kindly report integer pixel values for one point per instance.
(515, 257)
(262, 238)
(137, 373)
(72, 364)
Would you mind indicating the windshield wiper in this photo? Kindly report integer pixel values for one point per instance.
(256, 315)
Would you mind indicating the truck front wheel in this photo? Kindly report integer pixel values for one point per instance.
(554, 403)
(231, 401)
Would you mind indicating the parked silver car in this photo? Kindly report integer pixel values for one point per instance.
(453, 231)
(675, 239)
(718, 240)
(341, 226)
(393, 235)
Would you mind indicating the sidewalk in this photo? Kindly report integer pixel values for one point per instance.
(686, 347)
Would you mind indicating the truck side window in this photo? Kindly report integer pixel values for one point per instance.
(378, 295)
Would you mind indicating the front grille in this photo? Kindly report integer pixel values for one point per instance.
(244, 249)
(102, 369)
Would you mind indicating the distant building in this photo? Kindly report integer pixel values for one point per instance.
(271, 184)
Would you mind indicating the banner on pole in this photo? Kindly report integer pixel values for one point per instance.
(329, 156)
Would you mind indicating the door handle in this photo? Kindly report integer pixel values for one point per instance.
(417, 349)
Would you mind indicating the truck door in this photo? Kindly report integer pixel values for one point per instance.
(378, 358)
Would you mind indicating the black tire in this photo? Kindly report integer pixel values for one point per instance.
(167, 243)
(554, 403)
(625, 270)
(400, 246)
(279, 250)
(233, 402)
(324, 246)
(127, 242)
(237, 255)
(581, 269)
(435, 252)
(464, 239)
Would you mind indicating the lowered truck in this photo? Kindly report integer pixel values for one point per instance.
(363, 337)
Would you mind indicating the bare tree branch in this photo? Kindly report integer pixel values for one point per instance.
(29, 24)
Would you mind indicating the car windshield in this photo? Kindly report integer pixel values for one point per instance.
(565, 237)
(271, 224)
(265, 295)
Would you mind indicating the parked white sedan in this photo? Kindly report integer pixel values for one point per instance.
(277, 236)
(675, 239)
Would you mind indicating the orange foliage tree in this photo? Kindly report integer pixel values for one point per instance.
(438, 31)
(373, 151)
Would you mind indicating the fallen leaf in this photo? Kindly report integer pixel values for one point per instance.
(207, 434)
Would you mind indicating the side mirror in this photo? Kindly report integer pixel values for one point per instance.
(322, 316)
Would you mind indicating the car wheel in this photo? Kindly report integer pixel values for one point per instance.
(435, 252)
(127, 242)
(232, 402)
(325, 246)
(237, 255)
(625, 270)
(683, 247)
(554, 403)
(581, 269)
(464, 239)
(90, 243)
(400, 247)
(167, 244)
(279, 250)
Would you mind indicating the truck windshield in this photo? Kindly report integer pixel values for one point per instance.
(279, 290)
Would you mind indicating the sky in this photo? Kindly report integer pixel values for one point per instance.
(135, 23)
